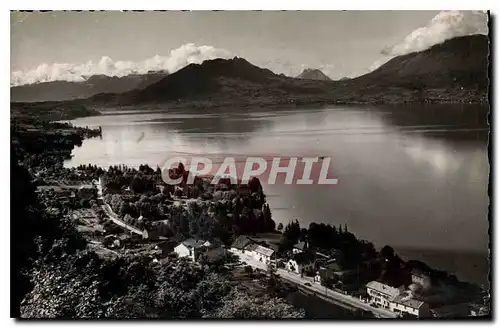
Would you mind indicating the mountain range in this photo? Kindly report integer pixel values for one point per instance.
(65, 90)
(453, 71)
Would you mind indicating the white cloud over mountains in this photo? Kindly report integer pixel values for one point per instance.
(177, 59)
(445, 25)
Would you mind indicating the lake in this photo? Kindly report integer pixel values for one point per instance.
(413, 177)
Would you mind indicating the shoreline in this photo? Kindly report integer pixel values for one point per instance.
(438, 258)
(61, 174)
(97, 109)
(446, 259)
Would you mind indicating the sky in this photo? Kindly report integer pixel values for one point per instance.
(70, 45)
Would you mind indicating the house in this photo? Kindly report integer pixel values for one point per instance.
(301, 263)
(331, 270)
(191, 248)
(381, 294)
(87, 192)
(158, 229)
(322, 275)
(100, 181)
(166, 247)
(239, 244)
(299, 247)
(404, 303)
(67, 193)
(151, 234)
(263, 254)
(250, 249)
(60, 192)
(327, 272)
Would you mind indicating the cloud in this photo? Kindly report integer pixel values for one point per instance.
(445, 25)
(177, 59)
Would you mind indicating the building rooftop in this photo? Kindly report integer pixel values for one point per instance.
(193, 243)
(251, 247)
(264, 250)
(87, 187)
(383, 288)
(241, 242)
(301, 246)
(304, 257)
(406, 300)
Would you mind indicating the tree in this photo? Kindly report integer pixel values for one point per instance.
(68, 289)
(280, 226)
(387, 252)
(239, 305)
(303, 234)
(292, 233)
(273, 283)
(115, 202)
(248, 270)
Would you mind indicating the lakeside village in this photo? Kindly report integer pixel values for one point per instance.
(126, 211)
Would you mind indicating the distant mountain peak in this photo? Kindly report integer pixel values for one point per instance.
(308, 70)
(90, 86)
(235, 67)
(224, 61)
(313, 74)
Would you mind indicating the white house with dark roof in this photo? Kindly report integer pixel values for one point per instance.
(263, 254)
(405, 303)
(301, 263)
(192, 248)
(381, 294)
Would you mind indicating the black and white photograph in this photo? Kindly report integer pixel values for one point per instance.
(280, 165)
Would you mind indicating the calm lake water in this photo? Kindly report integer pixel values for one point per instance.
(415, 178)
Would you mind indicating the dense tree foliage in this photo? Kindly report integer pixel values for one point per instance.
(239, 305)
(56, 276)
(228, 212)
(38, 233)
(341, 244)
(84, 286)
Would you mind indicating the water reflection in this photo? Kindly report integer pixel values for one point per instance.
(408, 177)
(453, 123)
